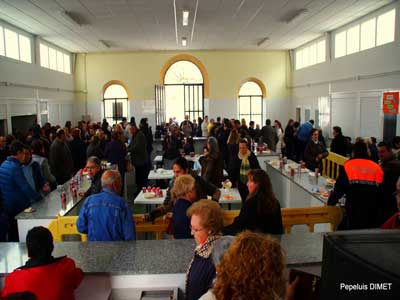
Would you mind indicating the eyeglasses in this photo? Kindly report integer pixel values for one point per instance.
(195, 230)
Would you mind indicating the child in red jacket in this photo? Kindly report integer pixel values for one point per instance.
(44, 276)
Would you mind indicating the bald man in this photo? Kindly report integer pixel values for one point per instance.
(106, 216)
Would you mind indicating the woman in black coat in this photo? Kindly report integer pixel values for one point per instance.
(261, 211)
(241, 164)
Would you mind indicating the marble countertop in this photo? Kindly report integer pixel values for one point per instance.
(305, 181)
(150, 256)
(50, 206)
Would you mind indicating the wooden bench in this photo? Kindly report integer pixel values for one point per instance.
(301, 216)
(309, 216)
(66, 226)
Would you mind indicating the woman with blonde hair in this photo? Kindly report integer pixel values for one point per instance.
(184, 191)
(252, 268)
(206, 224)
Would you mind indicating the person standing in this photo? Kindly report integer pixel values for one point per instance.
(303, 137)
(204, 127)
(78, 150)
(106, 216)
(242, 163)
(339, 142)
(359, 179)
(212, 164)
(16, 192)
(138, 150)
(268, 135)
(290, 140)
(61, 162)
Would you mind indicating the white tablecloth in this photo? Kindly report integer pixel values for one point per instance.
(161, 174)
(140, 199)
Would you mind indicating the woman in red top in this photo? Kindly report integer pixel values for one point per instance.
(44, 276)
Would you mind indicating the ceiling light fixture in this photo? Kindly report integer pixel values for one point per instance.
(262, 41)
(297, 16)
(70, 18)
(184, 42)
(105, 44)
(185, 18)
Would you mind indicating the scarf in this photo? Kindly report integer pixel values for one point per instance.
(245, 166)
(204, 250)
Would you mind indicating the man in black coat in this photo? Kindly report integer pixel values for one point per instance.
(268, 135)
(339, 143)
(61, 162)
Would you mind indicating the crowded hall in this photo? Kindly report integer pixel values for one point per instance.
(199, 149)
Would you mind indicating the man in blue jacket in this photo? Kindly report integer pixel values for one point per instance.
(106, 216)
(303, 137)
(16, 192)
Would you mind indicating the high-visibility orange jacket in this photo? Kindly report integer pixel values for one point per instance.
(359, 180)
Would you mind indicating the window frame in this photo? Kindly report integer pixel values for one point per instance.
(5, 26)
(374, 16)
(114, 101)
(58, 51)
(306, 48)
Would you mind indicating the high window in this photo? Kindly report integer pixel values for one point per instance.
(184, 91)
(54, 59)
(250, 104)
(15, 45)
(115, 101)
(367, 34)
(311, 54)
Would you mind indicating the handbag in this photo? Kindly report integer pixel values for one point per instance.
(129, 166)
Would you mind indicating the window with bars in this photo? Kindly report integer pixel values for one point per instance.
(115, 101)
(250, 103)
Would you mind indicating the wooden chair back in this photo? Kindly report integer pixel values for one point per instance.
(331, 164)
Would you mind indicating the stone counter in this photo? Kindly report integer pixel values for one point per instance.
(150, 256)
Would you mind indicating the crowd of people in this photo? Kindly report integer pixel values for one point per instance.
(35, 164)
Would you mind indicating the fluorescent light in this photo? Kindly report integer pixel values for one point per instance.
(184, 42)
(105, 44)
(70, 18)
(297, 16)
(262, 41)
(185, 18)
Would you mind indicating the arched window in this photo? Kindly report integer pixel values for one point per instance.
(184, 90)
(115, 101)
(250, 104)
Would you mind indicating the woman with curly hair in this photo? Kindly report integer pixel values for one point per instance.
(258, 274)
(206, 223)
(261, 210)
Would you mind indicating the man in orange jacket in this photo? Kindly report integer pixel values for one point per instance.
(359, 179)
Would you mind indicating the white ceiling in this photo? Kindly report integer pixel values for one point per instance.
(150, 24)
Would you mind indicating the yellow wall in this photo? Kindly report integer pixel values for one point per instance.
(140, 71)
